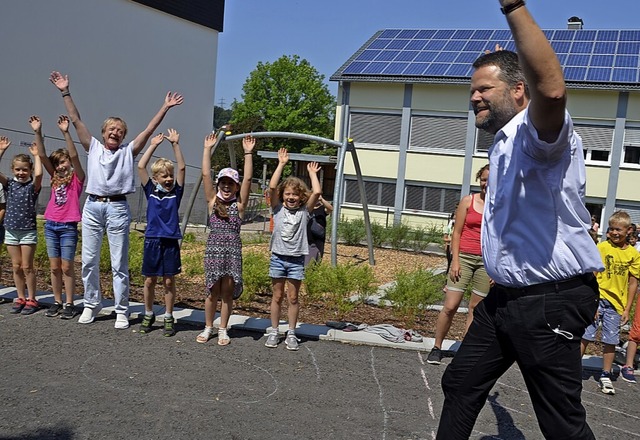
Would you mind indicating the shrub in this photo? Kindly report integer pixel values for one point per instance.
(255, 274)
(413, 291)
(398, 235)
(189, 237)
(352, 232)
(419, 242)
(378, 234)
(335, 285)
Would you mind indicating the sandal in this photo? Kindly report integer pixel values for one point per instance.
(206, 334)
(223, 337)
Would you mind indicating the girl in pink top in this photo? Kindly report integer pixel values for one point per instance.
(62, 216)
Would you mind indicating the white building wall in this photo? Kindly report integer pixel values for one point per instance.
(121, 57)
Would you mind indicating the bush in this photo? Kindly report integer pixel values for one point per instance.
(398, 235)
(335, 285)
(255, 274)
(352, 232)
(413, 292)
(378, 234)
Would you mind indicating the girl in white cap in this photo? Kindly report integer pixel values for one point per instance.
(223, 254)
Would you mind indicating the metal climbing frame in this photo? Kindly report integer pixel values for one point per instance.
(343, 148)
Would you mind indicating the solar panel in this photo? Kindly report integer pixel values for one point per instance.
(586, 55)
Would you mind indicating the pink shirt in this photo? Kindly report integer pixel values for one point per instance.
(64, 204)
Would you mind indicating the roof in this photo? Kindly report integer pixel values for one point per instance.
(207, 13)
(593, 59)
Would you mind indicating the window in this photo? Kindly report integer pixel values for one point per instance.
(438, 133)
(375, 128)
(432, 199)
(596, 141)
(631, 146)
(484, 141)
(377, 193)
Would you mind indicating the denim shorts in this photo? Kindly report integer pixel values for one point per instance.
(609, 318)
(61, 239)
(16, 237)
(161, 257)
(282, 266)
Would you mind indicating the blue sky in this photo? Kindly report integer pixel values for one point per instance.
(328, 32)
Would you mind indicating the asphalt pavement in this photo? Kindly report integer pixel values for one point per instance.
(64, 380)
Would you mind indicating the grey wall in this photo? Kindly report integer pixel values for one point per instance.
(122, 57)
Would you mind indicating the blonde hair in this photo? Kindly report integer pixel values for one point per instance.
(22, 158)
(621, 218)
(297, 185)
(161, 164)
(111, 120)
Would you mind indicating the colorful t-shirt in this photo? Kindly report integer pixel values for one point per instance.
(162, 211)
(21, 205)
(64, 204)
(614, 279)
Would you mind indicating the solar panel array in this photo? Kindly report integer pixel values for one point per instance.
(600, 56)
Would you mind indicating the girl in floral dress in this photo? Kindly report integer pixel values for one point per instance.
(223, 254)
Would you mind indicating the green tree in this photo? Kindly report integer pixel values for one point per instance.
(287, 95)
(221, 116)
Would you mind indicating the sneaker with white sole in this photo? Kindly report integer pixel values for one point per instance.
(291, 341)
(435, 356)
(122, 321)
(605, 383)
(272, 340)
(626, 373)
(89, 314)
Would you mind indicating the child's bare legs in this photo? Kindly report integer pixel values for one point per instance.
(583, 346)
(226, 300)
(69, 277)
(18, 274)
(28, 253)
(608, 353)
(277, 287)
(473, 302)
(210, 304)
(632, 348)
(149, 293)
(294, 306)
(56, 278)
(169, 293)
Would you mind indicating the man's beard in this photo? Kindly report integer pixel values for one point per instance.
(499, 114)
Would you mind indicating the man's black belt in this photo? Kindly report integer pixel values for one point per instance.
(107, 199)
(550, 287)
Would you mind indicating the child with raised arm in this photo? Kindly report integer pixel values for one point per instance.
(162, 236)
(292, 203)
(618, 284)
(110, 177)
(223, 254)
(21, 234)
(62, 215)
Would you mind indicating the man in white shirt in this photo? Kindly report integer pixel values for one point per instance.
(535, 241)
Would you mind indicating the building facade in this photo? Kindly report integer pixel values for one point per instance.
(404, 100)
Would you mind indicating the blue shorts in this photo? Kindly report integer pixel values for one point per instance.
(16, 237)
(609, 318)
(161, 257)
(61, 239)
(282, 266)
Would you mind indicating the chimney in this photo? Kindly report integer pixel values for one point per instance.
(575, 23)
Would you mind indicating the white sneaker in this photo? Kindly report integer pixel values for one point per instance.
(122, 321)
(89, 314)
